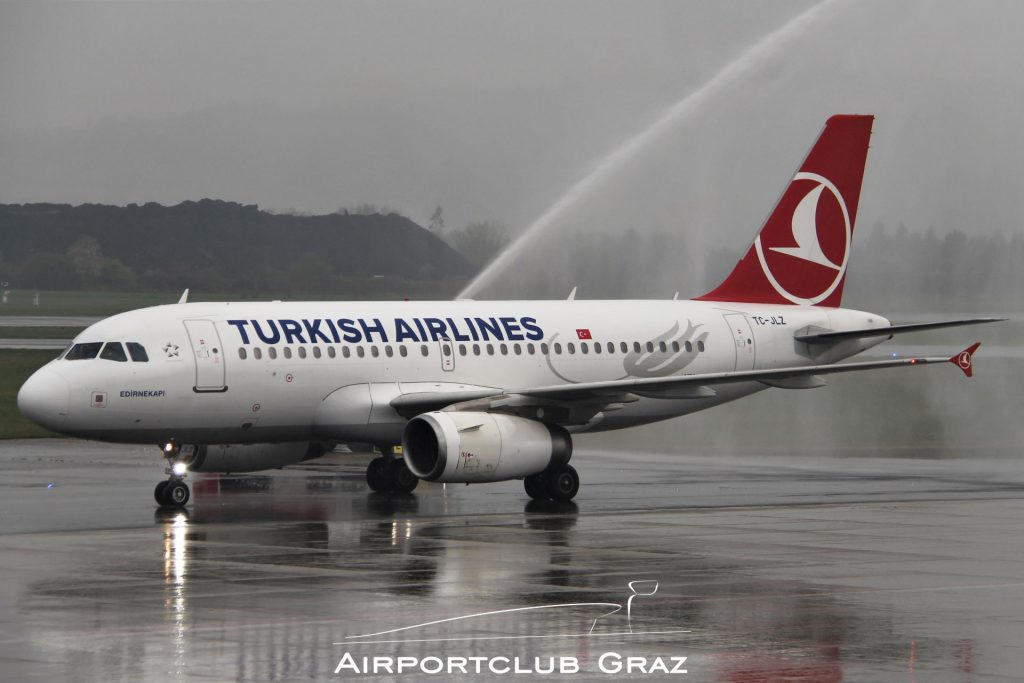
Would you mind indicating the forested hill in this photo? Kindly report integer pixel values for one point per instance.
(215, 245)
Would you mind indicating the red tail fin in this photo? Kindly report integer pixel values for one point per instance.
(965, 359)
(800, 255)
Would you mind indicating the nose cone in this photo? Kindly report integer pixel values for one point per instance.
(43, 398)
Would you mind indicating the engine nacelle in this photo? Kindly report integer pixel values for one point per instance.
(481, 447)
(248, 457)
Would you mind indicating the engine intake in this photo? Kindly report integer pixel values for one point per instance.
(482, 447)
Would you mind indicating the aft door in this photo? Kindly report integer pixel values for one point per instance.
(743, 338)
(208, 354)
(447, 354)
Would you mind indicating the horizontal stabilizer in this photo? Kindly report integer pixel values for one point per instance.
(832, 337)
(965, 359)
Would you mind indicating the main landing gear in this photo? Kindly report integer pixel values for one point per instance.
(387, 474)
(173, 492)
(558, 485)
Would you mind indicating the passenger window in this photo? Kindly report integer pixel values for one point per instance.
(388, 351)
(424, 350)
(302, 352)
(331, 353)
(517, 349)
(597, 347)
(462, 349)
(558, 348)
(662, 347)
(402, 351)
(316, 352)
(689, 347)
(675, 347)
(570, 347)
(636, 347)
(84, 351)
(529, 349)
(272, 352)
(490, 349)
(345, 351)
(624, 347)
(504, 349)
(446, 350)
(138, 352)
(476, 349)
(360, 351)
(544, 349)
(374, 351)
(114, 351)
(650, 347)
(287, 352)
(584, 349)
(241, 352)
(700, 346)
(611, 347)
(256, 353)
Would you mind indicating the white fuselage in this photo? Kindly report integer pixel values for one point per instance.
(260, 372)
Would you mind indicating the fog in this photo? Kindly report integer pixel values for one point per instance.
(495, 111)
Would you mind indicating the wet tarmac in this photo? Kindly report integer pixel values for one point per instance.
(753, 569)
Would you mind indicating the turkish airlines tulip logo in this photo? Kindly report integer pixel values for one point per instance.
(805, 257)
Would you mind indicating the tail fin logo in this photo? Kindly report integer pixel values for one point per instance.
(818, 236)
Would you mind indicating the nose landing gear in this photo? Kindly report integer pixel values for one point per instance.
(174, 492)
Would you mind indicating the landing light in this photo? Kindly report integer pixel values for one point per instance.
(168, 447)
(179, 468)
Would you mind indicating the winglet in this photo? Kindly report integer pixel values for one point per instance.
(964, 359)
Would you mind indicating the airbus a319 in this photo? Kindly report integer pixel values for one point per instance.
(477, 391)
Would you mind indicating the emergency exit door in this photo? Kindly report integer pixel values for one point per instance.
(743, 338)
(208, 355)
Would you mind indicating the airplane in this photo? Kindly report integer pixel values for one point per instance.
(477, 391)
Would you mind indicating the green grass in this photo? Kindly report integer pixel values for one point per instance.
(39, 332)
(15, 367)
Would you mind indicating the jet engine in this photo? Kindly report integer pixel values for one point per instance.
(249, 457)
(482, 447)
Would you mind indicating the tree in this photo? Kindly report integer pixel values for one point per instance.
(437, 221)
(480, 242)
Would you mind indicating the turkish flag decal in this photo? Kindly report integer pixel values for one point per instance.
(583, 334)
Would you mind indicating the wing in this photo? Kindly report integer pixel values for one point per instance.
(832, 337)
(577, 403)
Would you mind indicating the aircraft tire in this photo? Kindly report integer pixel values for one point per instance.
(377, 475)
(563, 484)
(158, 492)
(535, 487)
(176, 494)
(402, 478)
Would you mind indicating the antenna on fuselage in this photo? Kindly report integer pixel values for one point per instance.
(184, 297)
(675, 297)
(572, 295)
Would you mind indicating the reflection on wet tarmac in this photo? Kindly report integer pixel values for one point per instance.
(277, 577)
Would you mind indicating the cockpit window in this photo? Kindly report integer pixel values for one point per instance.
(84, 351)
(114, 351)
(138, 352)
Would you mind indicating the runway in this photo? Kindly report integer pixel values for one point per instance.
(753, 569)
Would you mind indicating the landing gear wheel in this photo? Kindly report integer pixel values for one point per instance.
(563, 484)
(377, 475)
(402, 479)
(158, 492)
(535, 488)
(176, 494)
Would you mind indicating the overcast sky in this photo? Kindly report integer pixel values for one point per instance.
(494, 109)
